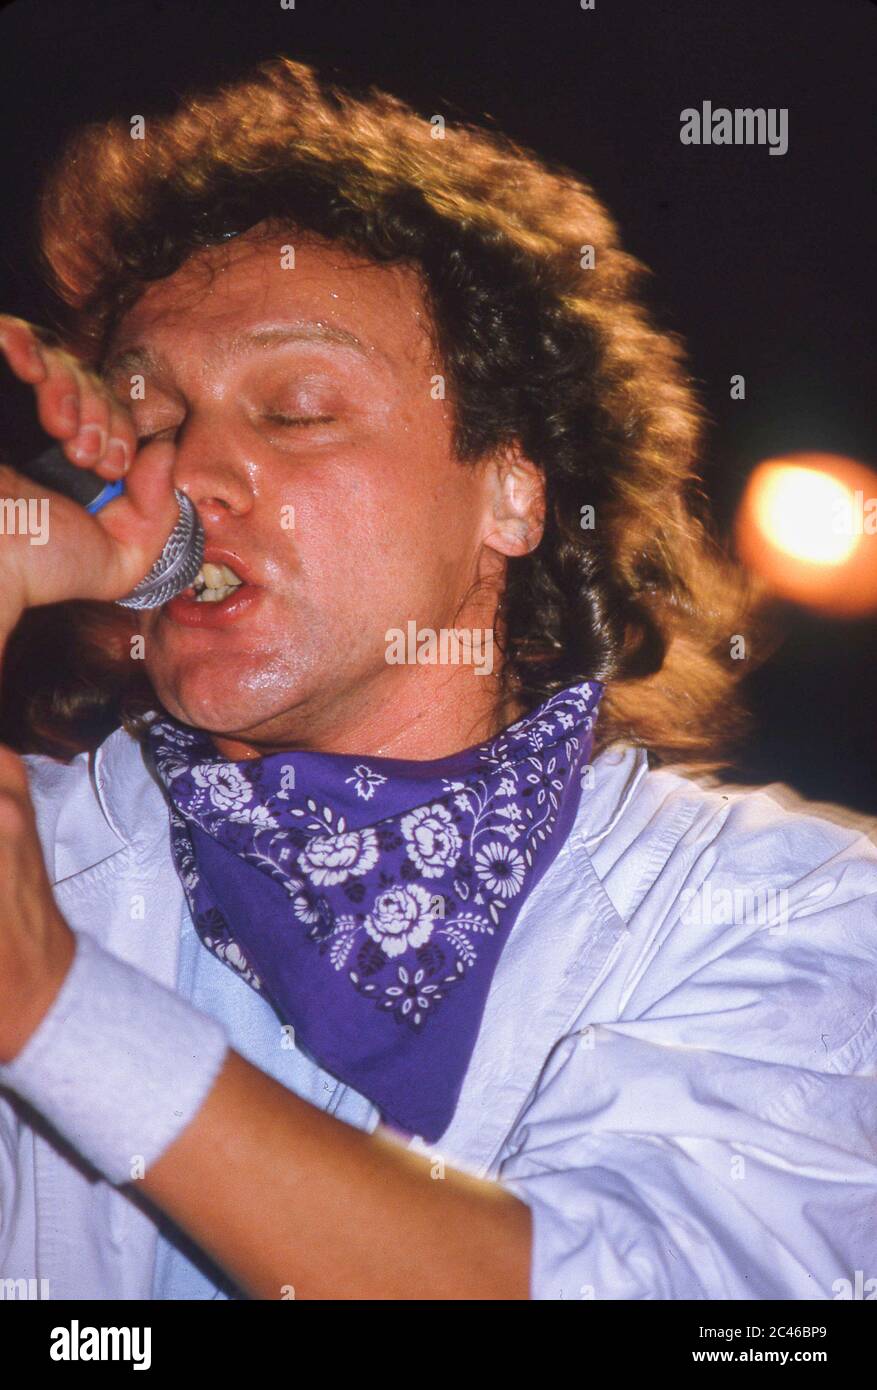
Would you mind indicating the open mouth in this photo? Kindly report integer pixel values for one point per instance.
(218, 596)
(213, 584)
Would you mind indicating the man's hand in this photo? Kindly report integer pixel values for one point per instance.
(86, 557)
(36, 944)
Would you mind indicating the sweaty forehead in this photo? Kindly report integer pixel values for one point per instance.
(226, 297)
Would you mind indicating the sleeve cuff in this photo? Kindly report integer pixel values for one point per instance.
(119, 1065)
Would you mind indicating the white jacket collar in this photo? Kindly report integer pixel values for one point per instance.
(128, 791)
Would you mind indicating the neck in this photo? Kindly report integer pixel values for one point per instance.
(411, 712)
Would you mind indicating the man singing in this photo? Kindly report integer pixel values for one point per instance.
(377, 953)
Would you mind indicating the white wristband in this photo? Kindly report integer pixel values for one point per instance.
(119, 1065)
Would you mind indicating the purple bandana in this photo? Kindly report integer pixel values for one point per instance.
(369, 899)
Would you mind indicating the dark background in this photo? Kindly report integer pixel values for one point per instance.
(762, 262)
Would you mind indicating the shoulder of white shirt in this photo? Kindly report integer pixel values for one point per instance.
(628, 789)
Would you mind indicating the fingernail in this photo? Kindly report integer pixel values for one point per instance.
(69, 411)
(90, 443)
(117, 456)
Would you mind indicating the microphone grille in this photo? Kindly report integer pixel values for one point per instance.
(176, 566)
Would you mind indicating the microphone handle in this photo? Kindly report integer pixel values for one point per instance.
(179, 561)
(58, 473)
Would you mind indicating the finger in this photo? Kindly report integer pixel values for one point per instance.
(21, 349)
(122, 444)
(83, 412)
(89, 445)
(58, 396)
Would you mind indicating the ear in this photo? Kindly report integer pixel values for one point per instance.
(517, 492)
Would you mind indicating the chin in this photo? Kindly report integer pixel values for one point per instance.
(225, 697)
(219, 714)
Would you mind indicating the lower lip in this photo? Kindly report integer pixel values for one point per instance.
(187, 612)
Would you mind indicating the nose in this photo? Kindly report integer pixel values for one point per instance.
(211, 468)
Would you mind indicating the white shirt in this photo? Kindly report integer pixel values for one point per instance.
(675, 1067)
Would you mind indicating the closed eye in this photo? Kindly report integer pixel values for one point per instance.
(291, 421)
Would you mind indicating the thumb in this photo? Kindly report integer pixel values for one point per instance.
(140, 521)
(149, 485)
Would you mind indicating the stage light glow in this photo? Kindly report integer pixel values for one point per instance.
(805, 512)
(807, 528)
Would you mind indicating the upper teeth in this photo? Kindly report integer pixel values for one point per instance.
(213, 583)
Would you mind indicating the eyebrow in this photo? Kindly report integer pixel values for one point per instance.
(144, 359)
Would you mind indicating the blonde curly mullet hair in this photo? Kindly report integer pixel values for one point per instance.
(537, 348)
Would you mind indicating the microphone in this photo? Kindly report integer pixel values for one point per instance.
(178, 563)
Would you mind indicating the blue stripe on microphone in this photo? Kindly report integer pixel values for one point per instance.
(105, 495)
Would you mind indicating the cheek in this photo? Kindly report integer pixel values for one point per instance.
(399, 514)
(366, 562)
(345, 522)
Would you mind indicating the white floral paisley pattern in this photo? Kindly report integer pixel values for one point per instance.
(333, 858)
(500, 868)
(227, 788)
(231, 953)
(400, 918)
(432, 839)
(364, 781)
(403, 903)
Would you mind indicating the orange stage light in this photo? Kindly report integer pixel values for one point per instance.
(807, 525)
